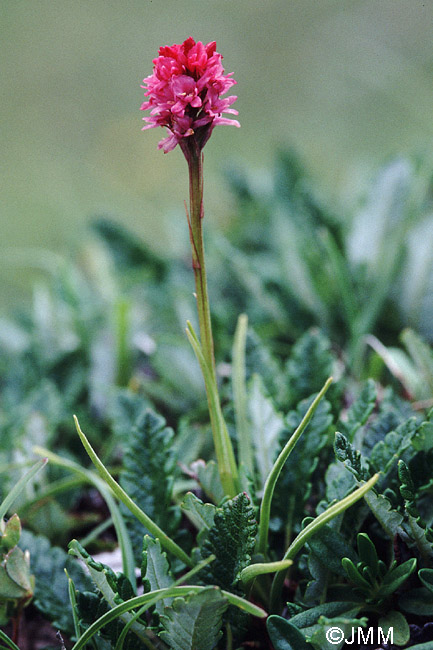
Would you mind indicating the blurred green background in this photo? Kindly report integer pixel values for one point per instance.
(348, 83)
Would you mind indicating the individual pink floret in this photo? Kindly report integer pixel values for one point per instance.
(184, 94)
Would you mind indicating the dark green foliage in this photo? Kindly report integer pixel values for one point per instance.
(285, 635)
(391, 448)
(371, 577)
(48, 564)
(309, 366)
(155, 570)
(294, 484)
(231, 539)
(126, 249)
(321, 290)
(148, 475)
(349, 456)
(90, 607)
(360, 410)
(329, 547)
(194, 622)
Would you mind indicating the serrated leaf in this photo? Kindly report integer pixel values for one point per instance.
(201, 514)
(266, 426)
(309, 366)
(360, 410)
(349, 456)
(285, 636)
(194, 622)
(111, 586)
(155, 570)
(51, 591)
(339, 482)
(231, 539)
(148, 475)
(381, 507)
(389, 450)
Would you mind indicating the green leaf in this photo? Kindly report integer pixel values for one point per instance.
(19, 487)
(11, 534)
(194, 622)
(399, 625)
(310, 364)
(112, 587)
(231, 539)
(259, 361)
(422, 354)
(417, 601)
(201, 514)
(51, 591)
(285, 636)
(417, 529)
(360, 410)
(17, 568)
(346, 624)
(349, 456)
(381, 507)
(9, 589)
(330, 547)
(426, 577)
(209, 479)
(355, 576)
(396, 577)
(155, 570)
(307, 620)
(148, 475)
(389, 450)
(266, 426)
(296, 473)
(367, 553)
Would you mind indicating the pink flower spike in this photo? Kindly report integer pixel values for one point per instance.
(184, 94)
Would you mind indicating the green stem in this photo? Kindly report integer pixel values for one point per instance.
(311, 529)
(240, 395)
(223, 447)
(118, 523)
(120, 493)
(198, 258)
(14, 493)
(123, 352)
(255, 570)
(265, 508)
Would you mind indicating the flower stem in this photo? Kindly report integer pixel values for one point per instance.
(223, 447)
(198, 259)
